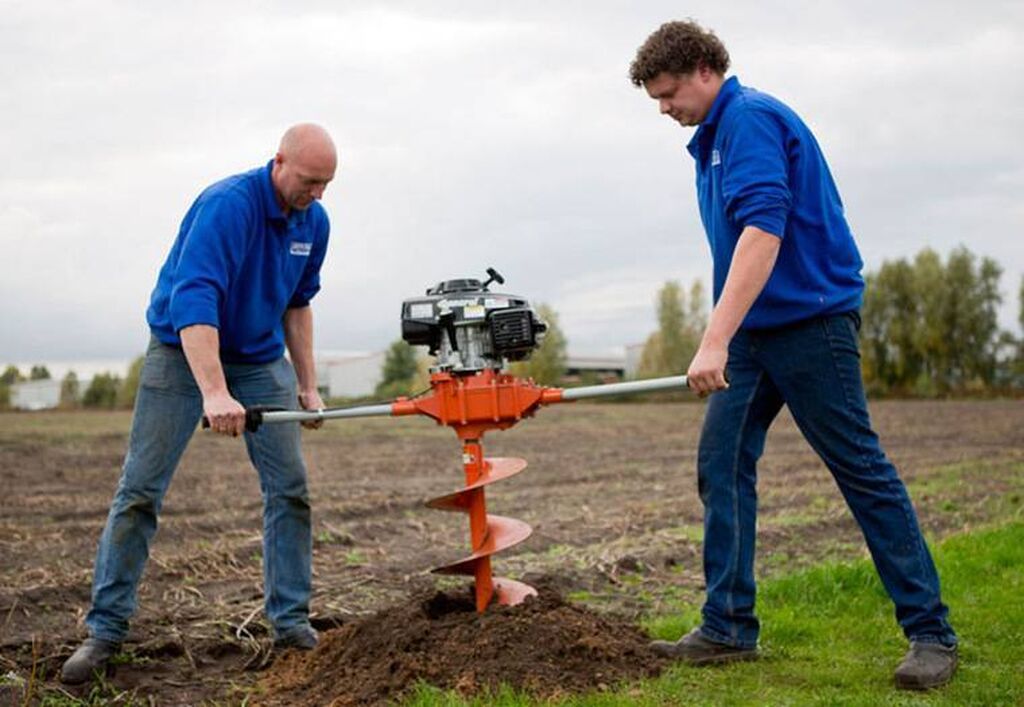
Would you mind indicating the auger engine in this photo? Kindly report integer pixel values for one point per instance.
(469, 328)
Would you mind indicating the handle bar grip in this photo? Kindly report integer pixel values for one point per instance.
(253, 417)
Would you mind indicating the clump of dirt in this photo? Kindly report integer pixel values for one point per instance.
(543, 646)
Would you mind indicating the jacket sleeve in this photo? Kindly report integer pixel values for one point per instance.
(211, 257)
(755, 180)
(309, 284)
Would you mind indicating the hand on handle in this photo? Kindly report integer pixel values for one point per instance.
(223, 414)
(707, 370)
(311, 400)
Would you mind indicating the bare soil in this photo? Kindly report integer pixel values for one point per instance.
(544, 645)
(610, 493)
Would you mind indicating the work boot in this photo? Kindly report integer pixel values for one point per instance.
(303, 638)
(696, 649)
(926, 665)
(90, 658)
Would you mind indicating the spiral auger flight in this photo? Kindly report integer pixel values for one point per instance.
(489, 534)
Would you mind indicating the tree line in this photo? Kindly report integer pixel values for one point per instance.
(929, 328)
(104, 391)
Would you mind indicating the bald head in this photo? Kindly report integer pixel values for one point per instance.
(308, 141)
(303, 166)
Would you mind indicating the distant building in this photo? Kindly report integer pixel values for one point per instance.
(634, 352)
(354, 375)
(348, 375)
(605, 369)
(35, 395)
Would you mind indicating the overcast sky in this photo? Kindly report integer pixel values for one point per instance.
(473, 134)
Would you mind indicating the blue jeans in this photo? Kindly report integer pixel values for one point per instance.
(814, 368)
(167, 409)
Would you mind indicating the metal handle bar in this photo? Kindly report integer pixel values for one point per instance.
(258, 415)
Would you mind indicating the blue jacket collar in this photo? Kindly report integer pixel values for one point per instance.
(273, 209)
(725, 94)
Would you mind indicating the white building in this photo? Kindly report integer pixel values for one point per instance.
(634, 352)
(349, 375)
(35, 395)
(607, 368)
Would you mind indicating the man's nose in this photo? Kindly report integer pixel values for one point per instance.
(318, 191)
(664, 107)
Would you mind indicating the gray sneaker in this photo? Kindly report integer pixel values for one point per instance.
(926, 665)
(91, 657)
(694, 648)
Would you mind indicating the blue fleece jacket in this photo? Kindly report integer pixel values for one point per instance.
(237, 264)
(759, 165)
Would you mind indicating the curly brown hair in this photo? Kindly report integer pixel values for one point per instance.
(679, 47)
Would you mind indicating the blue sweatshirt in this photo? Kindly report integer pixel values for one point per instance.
(759, 165)
(237, 264)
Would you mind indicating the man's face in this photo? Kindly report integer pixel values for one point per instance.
(686, 98)
(301, 180)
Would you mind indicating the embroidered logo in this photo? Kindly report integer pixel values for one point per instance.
(716, 158)
(300, 248)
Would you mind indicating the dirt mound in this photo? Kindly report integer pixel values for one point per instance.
(544, 646)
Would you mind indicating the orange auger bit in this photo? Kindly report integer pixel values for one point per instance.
(473, 332)
(488, 533)
(473, 404)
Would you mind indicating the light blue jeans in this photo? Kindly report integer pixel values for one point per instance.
(168, 408)
(813, 368)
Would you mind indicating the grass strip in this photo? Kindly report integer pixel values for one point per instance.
(829, 637)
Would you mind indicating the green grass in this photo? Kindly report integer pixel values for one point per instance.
(829, 638)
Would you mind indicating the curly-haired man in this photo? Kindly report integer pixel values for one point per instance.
(783, 331)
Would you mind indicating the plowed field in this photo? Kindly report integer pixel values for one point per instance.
(610, 492)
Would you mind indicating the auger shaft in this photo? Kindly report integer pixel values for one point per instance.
(473, 463)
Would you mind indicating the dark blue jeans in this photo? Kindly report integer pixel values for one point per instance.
(167, 409)
(814, 368)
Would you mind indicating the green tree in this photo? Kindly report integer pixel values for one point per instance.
(546, 364)
(70, 390)
(681, 323)
(1020, 304)
(891, 314)
(697, 310)
(398, 371)
(102, 391)
(1018, 362)
(970, 320)
(929, 288)
(130, 387)
(931, 327)
(11, 375)
(39, 373)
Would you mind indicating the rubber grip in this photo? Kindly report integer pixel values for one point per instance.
(253, 417)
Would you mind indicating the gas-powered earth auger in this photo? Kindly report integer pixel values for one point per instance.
(473, 332)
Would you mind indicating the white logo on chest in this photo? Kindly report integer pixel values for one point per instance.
(716, 158)
(300, 248)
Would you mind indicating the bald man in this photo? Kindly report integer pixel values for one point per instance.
(233, 294)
